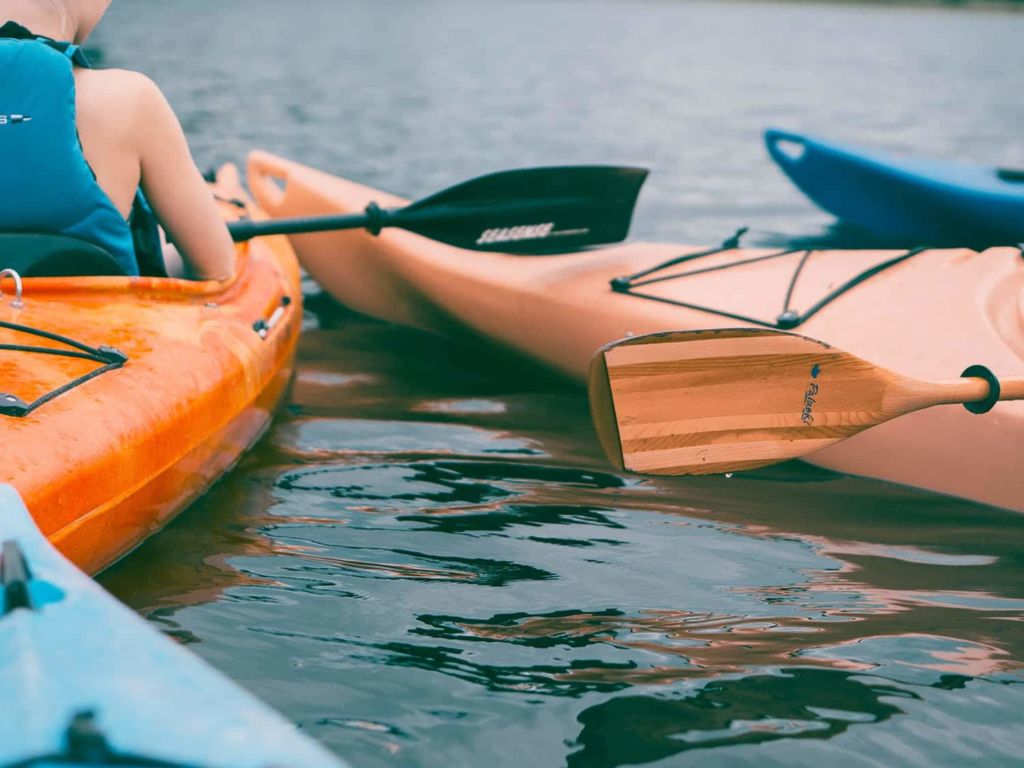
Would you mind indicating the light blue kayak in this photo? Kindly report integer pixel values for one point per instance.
(86, 682)
(912, 200)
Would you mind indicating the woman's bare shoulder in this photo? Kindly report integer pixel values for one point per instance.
(122, 100)
(125, 87)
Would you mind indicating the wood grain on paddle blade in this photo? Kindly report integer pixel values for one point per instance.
(703, 402)
(602, 411)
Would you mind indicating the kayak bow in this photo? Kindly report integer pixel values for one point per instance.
(925, 314)
(915, 200)
(86, 682)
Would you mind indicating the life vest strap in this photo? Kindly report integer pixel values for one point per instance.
(12, 30)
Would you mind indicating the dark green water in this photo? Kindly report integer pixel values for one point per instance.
(427, 563)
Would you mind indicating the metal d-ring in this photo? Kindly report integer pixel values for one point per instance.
(16, 302)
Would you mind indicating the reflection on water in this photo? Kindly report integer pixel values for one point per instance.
(812, 703)
(427, 561)
(484, 602)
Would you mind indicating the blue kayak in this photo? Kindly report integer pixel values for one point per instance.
(912, 200)
(86, 682)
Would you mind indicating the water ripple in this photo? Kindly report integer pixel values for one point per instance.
(428, 562)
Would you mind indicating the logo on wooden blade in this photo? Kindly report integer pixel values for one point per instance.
(807, 417)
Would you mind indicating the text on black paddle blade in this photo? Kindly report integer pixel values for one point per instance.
(534, 210)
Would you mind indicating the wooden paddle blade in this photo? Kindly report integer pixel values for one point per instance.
(708, 402)
(530, 210)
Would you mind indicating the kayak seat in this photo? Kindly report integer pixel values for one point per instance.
(46, 255)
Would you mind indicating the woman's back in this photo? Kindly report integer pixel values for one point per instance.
(108, 105)
(48, 184)
(127, 138)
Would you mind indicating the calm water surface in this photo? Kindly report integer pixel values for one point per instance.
(427, 563)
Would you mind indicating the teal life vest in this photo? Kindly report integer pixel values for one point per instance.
(46, 184)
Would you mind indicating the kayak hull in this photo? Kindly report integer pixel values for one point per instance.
(911, 200)
(77, 651)
(109, 462)
(929, 317)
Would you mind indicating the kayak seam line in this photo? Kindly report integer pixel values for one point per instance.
(70, 528)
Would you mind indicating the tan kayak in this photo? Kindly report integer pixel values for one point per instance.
(929, 314)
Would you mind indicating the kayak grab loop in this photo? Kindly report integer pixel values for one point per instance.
(787, 319)
(994, 389)
(16, 302)
(86, 744)
(1012, 175)
(19, 587)
(15, 577)
(109, 359)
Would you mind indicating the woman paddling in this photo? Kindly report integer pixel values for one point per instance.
(77, 145)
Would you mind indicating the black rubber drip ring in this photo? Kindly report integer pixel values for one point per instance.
(994, 390)
(375, 218)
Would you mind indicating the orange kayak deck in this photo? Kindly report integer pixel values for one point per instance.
(930, 316)
(107, 463)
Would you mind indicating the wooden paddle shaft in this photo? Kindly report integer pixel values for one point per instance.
(972, 389)
(1012, 389)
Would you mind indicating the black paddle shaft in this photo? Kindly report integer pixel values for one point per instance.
(534, 210)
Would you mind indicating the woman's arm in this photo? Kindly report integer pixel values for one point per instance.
(174, 187)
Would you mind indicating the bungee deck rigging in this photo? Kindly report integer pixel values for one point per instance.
(108, 358)
(787, 319)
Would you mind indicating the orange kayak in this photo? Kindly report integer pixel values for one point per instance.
(928, 314)
(123, 399)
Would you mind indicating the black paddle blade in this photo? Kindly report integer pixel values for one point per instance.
(533, 210)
